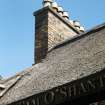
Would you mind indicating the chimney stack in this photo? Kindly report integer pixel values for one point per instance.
(52, 26)
(47, 3)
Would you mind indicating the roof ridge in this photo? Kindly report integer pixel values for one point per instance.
(18, 77)
(10, 86)
(21, 73)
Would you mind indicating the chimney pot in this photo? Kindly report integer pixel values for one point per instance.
(76, 24)
(82, 29)
(47, 3)
(55, 6)
(60, 10)
(66, 15)
(2, 86)
(71, 22)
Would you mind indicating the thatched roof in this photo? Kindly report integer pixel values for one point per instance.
(75, 58)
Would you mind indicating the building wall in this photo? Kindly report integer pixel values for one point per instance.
(58, 30)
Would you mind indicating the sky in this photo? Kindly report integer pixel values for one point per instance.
(17, 28)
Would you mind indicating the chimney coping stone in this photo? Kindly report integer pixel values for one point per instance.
(58, 16)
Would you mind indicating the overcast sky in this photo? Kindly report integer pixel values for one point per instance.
(17, 28)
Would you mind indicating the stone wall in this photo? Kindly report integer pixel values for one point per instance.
(50, 29)
(58, 30)
(41, 36)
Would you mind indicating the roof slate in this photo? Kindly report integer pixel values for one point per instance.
(73, 59)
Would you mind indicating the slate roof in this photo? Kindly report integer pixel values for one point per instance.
(70, 60)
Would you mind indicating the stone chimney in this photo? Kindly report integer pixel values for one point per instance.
(52, 26)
